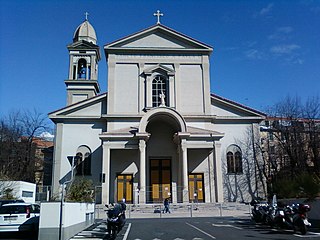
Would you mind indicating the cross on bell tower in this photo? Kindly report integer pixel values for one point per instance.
(86, 14)
(158, 14)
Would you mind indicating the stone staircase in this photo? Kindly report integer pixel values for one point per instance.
(181, 210)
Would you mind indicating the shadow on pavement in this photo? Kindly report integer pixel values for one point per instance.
(266, 229)
(19, 236)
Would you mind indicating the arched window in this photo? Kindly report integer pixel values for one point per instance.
(159, 91)
(230, 162)
(234, 160)
(84, 161)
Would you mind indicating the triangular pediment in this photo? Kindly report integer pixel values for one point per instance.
(90, 108)
(226, 109)
(159, 68)
(158, 37)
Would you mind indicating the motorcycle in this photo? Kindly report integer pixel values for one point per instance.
(289, 217)
(259, 211)
(116, 218)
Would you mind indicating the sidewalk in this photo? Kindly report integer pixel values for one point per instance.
(97, 231)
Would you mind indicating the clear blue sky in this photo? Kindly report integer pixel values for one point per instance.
(263, 50)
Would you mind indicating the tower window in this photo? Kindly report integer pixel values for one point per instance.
(159, 91)
(82, 69)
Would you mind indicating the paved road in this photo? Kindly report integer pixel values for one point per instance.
(203, 229)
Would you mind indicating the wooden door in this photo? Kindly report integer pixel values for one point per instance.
(196, 187)
(160, 179)
(125, 188)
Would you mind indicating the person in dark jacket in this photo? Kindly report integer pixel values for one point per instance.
(166, 204)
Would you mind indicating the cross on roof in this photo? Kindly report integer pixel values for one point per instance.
(158, 14)
(86, 14)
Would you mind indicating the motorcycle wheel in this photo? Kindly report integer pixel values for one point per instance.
(112, 232)
(303, 229)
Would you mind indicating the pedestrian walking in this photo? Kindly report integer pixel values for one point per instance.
(166, 204)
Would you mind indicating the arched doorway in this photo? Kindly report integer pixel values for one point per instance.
(162, 158)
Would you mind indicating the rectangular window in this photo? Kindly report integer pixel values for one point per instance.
(27, 194)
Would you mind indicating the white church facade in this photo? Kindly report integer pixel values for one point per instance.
(157, 132)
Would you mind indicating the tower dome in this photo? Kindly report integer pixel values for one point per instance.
(86, 32)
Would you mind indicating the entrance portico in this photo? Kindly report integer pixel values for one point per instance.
(158, 155)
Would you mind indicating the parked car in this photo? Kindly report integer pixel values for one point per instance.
(2, 202)
(19, 217)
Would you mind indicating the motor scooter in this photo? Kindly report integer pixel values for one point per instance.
(300, 218)
(116, 218)
(260, 211)
(289, 217)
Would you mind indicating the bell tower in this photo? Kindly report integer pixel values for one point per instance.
(84, 56)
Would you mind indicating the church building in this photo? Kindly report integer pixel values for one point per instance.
(157, 132)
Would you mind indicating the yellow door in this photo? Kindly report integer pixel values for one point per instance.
(124, 187)
(196, 188)
(160, 179)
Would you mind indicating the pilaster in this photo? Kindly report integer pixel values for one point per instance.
(218, 172)
(206, 84)
(106, 171)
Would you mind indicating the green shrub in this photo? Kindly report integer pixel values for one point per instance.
(81, 190)
(304, 185)
(309, 185)
(285, 188)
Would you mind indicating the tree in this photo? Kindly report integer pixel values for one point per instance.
(17, 148)
(293, 146)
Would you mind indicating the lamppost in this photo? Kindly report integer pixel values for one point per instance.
(72, 161)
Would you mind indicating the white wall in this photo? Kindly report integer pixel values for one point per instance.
(191, 89)
(126, 88)
(75, 217)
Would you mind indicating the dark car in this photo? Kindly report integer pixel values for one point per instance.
(2, 202)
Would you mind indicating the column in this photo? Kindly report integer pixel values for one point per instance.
(218, 172)
(185, 191)
(142, 191)
(106, 171)
(211, 177)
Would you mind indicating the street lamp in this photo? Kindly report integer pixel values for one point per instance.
(73, 162)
